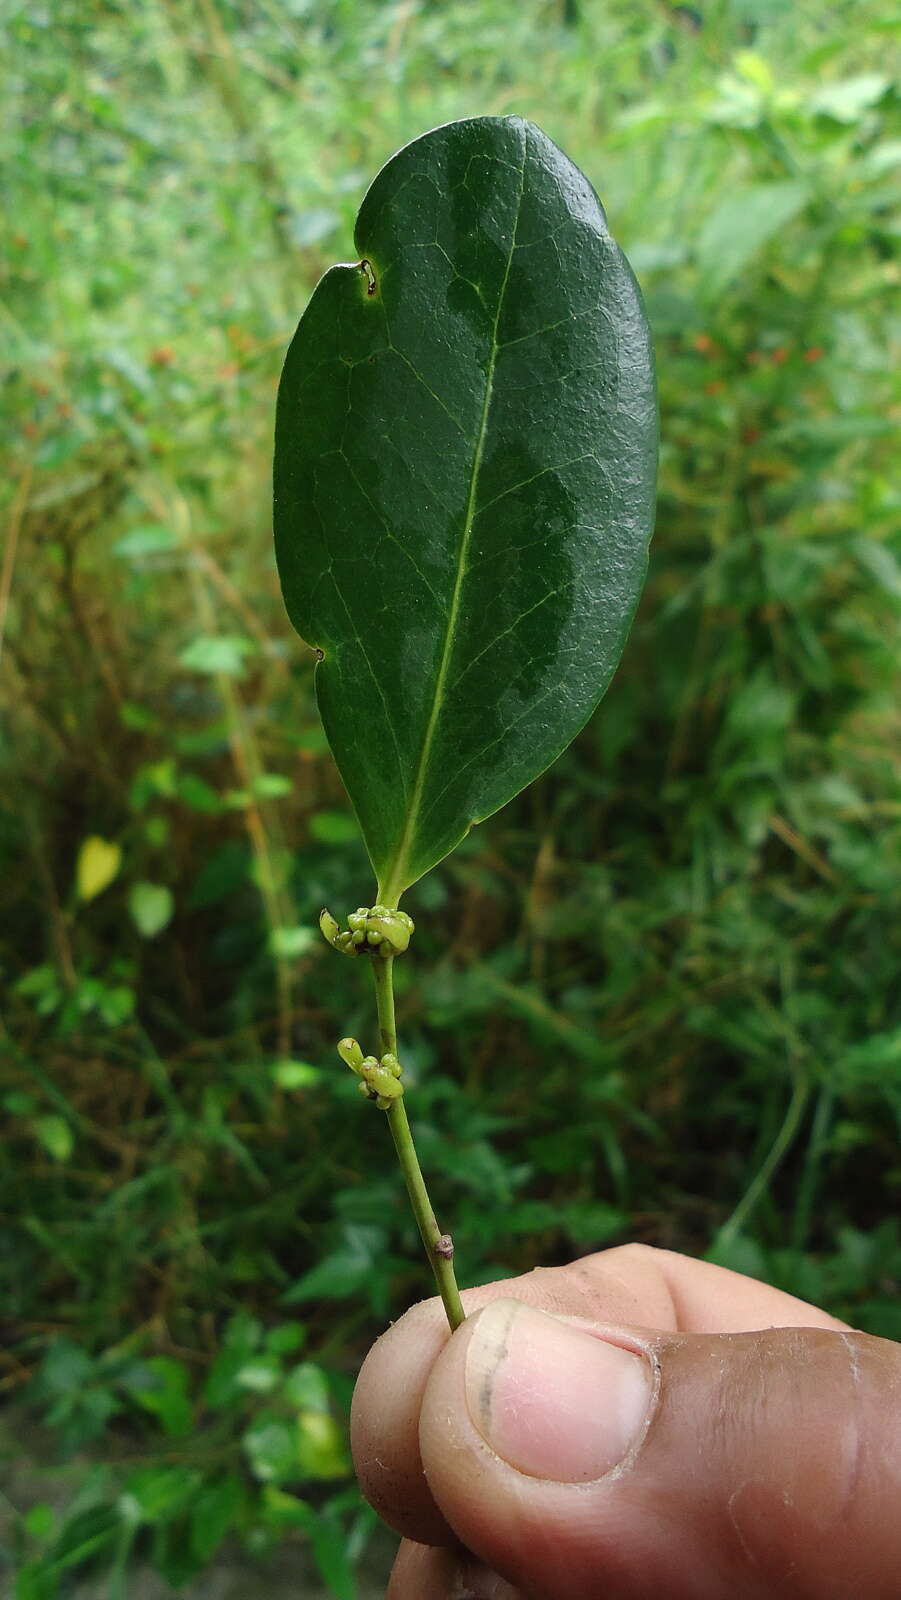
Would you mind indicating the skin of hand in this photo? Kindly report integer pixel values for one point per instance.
(634, 1426)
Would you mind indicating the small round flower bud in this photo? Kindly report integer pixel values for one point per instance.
(395, 928)
(385, 1084)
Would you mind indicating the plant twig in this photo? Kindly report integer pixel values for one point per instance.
(12, 541)
(438, 1246)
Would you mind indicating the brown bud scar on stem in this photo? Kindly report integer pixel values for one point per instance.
(444, 1247)
(366, 267)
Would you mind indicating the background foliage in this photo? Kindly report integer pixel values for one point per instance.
(657, 996)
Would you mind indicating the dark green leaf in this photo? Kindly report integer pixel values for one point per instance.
(213, 1514)
(83, 1536)
(464, 482)
(271, 1448)
(34, 1582)
(306, 1388)
(39, 1521)
(165, 1394)
(329, 1541)
(333, 827)
(154, 1494)
(66, 1369)
(55, 1135)
(344, 1270)
(242, 1338)
(284, 1339)
(336, 1277)
(197, 794)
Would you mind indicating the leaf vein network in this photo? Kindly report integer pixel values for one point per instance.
(549, 594)
(394, 350)
(555, 466)
(387, 530)
(527, 710)
(375, 678)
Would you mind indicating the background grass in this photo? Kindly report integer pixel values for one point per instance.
(657, 997)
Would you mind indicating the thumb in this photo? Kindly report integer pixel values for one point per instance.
(577, 1460)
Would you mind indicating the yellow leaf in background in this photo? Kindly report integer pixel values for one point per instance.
(98, 863)
(321, 1446)
(754, 69)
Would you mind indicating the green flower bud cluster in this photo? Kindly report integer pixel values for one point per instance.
(371, 931)
(379, 1079)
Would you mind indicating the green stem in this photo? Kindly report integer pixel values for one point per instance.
(779, 1149)
(819, 1128)
(438, 1246)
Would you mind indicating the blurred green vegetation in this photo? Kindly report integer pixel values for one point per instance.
(657, 997)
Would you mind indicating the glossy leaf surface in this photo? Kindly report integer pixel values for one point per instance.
(464, 482)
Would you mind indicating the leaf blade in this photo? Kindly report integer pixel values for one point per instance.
(465, 464)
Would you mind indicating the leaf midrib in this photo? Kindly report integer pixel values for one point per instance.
(390, 893)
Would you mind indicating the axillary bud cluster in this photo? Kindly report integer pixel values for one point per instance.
(379, 1078)
(370, 931)
(382, 933)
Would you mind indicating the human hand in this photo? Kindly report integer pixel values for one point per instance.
(683, 1433)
